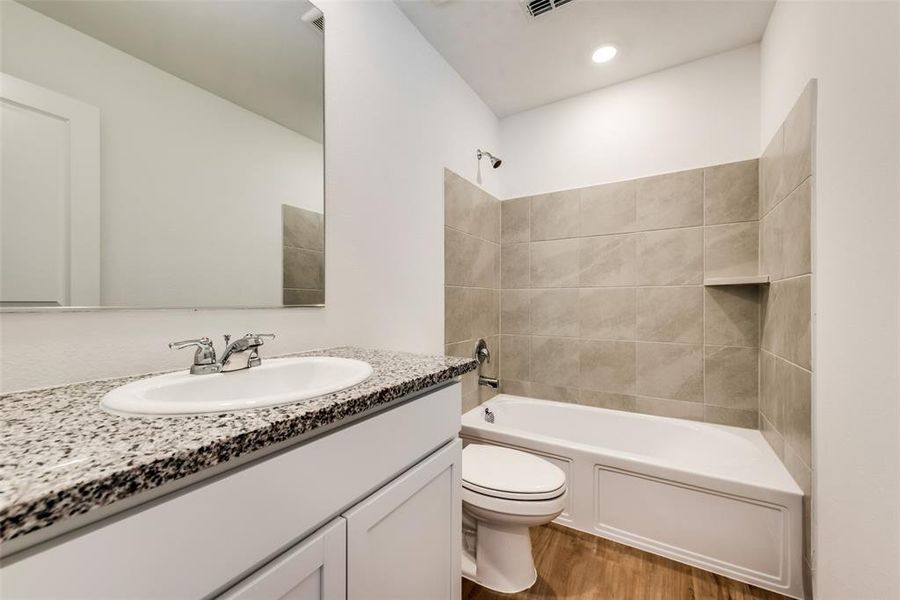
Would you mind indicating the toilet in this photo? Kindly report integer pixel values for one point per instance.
(504, 492)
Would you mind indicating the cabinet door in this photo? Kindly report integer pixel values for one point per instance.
(316, 569)
(403, 542)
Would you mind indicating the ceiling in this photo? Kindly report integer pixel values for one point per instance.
(257, 54)
(516, 62)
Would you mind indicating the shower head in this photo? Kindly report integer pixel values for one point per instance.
(495, 162)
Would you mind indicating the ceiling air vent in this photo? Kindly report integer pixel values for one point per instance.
(315, 19)
(535, 8)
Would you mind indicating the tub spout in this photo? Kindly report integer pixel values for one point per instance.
(490, 382)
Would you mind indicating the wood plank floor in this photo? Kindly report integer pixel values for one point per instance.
(577, 566)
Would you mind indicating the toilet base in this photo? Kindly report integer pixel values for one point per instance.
(503, 561)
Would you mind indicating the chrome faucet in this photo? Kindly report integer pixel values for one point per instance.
(243, 352)
(204, 358)
(240, 354)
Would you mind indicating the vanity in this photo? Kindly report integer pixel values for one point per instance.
(354, 494)
(340, 478)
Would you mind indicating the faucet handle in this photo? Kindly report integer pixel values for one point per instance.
(205, 354)
(260, 336)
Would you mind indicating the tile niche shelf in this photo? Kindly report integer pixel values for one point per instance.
(737, 280)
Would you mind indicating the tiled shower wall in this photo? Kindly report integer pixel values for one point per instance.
(303, 256)
(471, 279)
(786, 185)
(603, 302)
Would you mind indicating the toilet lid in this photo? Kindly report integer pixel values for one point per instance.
(508, 473)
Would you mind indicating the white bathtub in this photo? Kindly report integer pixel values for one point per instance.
(712, 496)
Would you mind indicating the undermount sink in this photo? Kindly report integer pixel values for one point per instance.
(276, 381)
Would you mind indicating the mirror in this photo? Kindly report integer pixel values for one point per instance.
(161, 153)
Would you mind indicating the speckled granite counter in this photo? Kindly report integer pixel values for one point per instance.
(61, 455)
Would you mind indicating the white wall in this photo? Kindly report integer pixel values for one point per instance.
(396, 115)
(182, 171)
(853, 48)
(698, 114)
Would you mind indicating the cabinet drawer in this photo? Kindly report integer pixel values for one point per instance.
(199, 541)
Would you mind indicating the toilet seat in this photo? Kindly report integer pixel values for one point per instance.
(507, 495)
(510, 474)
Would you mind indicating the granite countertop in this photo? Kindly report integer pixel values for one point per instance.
(61, 455)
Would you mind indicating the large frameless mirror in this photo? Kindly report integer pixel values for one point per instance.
(161, 153)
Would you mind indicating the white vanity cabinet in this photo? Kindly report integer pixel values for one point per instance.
(367, 511)
(401, 542)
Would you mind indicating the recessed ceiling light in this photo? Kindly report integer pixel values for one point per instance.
(604, 53)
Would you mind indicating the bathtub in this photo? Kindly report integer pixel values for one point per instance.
(711, 496)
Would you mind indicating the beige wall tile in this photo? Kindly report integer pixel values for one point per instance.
(554, 263)
(672, 371)
(515, 220)
(554, 216)
(771, 390)
(469, 381)
(607, 261)
(732, 250)
(802, 474)
(292, 297)
(607, 400)
(671, 257)
(485, 313)
(457, 314)
(607, 366)
(468, 403)
(661, 407)
(731, 192)
(515, 388)
(303, 269)
(470, 209)
(731, 416)
(771, 236)
(515, 266)
(796, 224)
(554, 312)
(485, 264)
(772, 436)
(459, 203)
(732, 315)
(554, 361)
(302, 228)
(670, 314)
(606, 313)
(797, 410)
(771, 174)
(787, 320)
(488, 223)
(515, 311)
(608, 208)
(798, 139)
(459, 257)
(555, 393)
(515, 357)
(732, 378)
(671, 200)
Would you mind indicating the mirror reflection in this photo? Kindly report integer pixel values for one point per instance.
(162, 154)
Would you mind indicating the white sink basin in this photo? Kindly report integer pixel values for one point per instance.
(276, 381)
